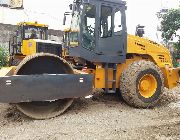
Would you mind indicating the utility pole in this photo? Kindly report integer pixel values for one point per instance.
(163, 10)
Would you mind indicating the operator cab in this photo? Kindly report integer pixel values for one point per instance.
(33, 31)
(25, 32)
(31, 38)
(98, 31)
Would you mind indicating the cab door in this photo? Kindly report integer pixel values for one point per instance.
(112, 35)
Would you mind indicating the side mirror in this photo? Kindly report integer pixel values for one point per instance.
(70, 6)
(64, 20)
(66, 14)
(16, 33)
(19, 43)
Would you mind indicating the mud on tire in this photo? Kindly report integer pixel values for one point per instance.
(130, 80)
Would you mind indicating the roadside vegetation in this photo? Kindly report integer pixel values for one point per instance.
(170, 27)
(3, 56)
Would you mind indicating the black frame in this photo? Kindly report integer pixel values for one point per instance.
(111, 50)
(25, 26)
(14, 46)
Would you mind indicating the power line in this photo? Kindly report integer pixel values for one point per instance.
(33, 15)
(26, 14)
(42, 13)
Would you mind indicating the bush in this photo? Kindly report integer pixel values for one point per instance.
(176, 54)
(4, 55)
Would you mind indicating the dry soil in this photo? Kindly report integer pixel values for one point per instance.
(100, 117)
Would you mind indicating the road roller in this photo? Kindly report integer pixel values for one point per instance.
(43, 85)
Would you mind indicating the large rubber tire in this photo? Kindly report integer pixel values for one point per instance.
(130, 84)
(39, 64)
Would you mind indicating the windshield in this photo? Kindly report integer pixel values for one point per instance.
(89, 26)
(75, 28)
(75, 21)
(73, 37)
(35, 33)
(74, 40)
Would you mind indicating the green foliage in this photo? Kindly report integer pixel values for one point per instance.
(177, 47)
(3, 56)
(176, 54)
(170, 24)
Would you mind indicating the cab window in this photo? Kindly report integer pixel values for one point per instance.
(106, 22)
(117, 22)
(34, 33)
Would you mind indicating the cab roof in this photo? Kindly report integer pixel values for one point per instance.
(115, 1)
(110, 1)
(32, 24)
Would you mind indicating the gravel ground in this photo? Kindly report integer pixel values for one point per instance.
(100, 117)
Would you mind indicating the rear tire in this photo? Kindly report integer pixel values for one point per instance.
(141, 84)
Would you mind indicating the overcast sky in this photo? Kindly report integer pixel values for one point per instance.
(51, 12)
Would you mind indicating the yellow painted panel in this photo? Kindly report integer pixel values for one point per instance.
(32, 24)
(100, 77)
(142, 46)
(171, 77)
(7, 71)
(28, 47)
(100, 73)
(74, 44)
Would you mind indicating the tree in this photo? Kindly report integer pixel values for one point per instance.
(169, 26)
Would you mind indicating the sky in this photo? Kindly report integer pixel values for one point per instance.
(51, 12)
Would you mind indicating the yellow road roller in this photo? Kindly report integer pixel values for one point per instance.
(43, 84)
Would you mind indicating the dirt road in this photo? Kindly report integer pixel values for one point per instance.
(100, 117)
